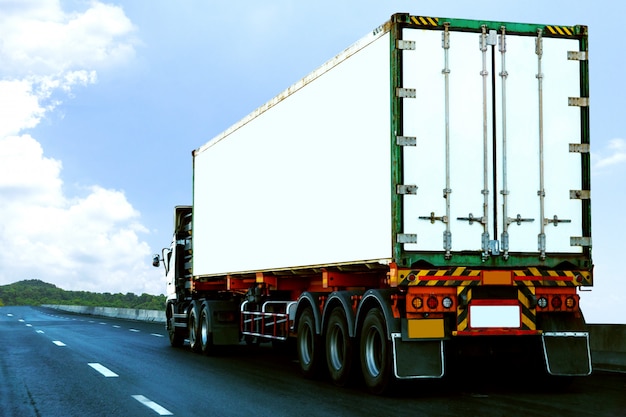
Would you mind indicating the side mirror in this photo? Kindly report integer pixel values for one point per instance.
(156, 260)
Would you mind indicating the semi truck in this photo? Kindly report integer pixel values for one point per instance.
(420, 200)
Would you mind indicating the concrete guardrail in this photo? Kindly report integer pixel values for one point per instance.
(120, 313)
(608, 341)
(608, 346)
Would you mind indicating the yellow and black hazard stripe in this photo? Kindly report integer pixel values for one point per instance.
(561, 30)
(442, 277)
(425, 21)
(530, 276)
(446, 283)
(553, 278)
(462, 311)
(526, 297)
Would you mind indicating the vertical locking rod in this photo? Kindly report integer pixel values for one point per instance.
(505, 190)
(447, 234)
(485, 220)
(541, 193)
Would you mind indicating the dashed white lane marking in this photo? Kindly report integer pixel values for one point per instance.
(153, 406)
(21, 320)
(58, 343)
(40, 331)
(134, 330)
(9, 314)
(102, 322)
(156, 334)
(116, 326)
(29, 325)
(103, 370)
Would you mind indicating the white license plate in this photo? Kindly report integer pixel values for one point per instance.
(494, 316)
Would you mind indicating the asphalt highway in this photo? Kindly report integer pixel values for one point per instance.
(59, 364)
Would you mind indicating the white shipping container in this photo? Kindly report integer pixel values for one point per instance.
(308, 178)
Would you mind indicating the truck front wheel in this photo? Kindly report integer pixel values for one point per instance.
(206, 337)
(309, 346)
(175, 334)
(193, 325)
(375, 352)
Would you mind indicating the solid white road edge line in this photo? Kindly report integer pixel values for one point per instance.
(103, 370)
(152, 405)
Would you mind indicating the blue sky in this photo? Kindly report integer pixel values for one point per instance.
(102, 102)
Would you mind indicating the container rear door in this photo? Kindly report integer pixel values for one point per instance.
(493, 124)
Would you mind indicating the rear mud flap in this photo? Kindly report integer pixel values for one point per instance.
(567, 353)
(418, 358)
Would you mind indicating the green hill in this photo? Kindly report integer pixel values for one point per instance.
(36, 292)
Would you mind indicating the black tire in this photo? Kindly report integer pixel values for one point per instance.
(339, 347)
(193, 324)
(177, 339)
(375, 351)
(309, 346)
(206, 336)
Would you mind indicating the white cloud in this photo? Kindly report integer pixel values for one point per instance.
(19, 107)
(90, 241)
(23, 102)
(38, 37)
(613, 154)
(26, 176)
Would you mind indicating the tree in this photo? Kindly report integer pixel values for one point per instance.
(37, 292)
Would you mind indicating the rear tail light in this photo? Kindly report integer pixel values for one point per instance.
(542, 302)
(557, 301)
(432, 302)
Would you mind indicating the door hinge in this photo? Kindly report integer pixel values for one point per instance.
(406, 140)
(579, 147)
(406, 238)
(406, 92)
(580, 241)
(404, 189)
(405, 45)
(577, 55)
(578, 101)
(579, 194)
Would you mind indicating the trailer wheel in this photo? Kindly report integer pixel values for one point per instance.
(194, 328)
(309, 345)
(206, 336)
(338, 347)
(375, 352)
(175, 334)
